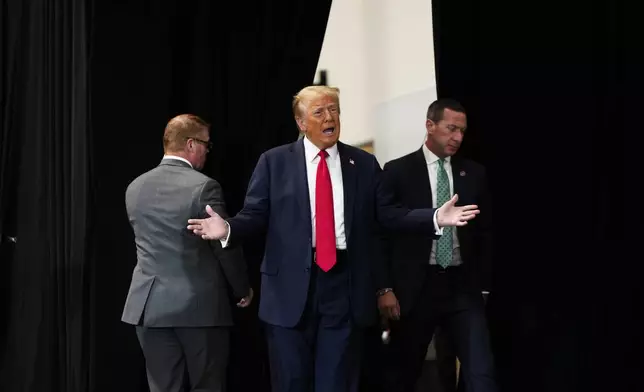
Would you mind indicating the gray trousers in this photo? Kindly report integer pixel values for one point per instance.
(170, 353)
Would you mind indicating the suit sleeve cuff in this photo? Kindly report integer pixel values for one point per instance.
(224, 241)
(439, 230)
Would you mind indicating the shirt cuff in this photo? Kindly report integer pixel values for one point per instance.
(224, 242)
(439, 230)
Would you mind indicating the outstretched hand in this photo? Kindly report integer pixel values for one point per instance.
(450, 215)
(212, 228)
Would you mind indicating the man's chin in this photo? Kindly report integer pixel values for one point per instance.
(329, 141)
(324, 141)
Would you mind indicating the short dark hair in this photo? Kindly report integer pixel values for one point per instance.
(180, 129)
(436, 109)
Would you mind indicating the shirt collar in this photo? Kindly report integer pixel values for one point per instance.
(178, 159)
(311, 151)
(430, 157)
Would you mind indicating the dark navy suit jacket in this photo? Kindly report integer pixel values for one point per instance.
(277, 200)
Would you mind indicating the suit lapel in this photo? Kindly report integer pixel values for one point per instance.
(421, 179)
(349, 182)
(458, 176)
(301, 181)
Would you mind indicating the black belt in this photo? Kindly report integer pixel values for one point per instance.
(437, 269)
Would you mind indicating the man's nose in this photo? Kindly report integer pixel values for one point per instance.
(457, 135)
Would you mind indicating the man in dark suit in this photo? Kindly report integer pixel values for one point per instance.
(320, 201)
(178, 297)
(439, 282)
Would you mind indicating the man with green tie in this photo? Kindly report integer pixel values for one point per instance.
(438, 282)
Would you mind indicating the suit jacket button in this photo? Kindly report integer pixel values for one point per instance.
(307, 269)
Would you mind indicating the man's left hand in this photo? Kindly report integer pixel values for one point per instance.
(450, 215)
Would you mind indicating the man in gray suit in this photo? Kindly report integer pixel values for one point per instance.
(178, 298)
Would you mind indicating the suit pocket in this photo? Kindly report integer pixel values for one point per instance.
(268, 269)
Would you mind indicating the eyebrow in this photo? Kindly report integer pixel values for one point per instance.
(456, 126)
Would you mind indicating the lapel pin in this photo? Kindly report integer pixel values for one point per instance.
(462, 173)
(351, 161)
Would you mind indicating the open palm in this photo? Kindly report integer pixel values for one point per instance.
(212, 228)
(450, 215)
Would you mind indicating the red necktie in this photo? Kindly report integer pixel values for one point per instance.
(324, 220)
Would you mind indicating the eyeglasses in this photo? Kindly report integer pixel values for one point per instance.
(208, 144)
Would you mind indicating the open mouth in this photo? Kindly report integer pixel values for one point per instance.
(329, 131)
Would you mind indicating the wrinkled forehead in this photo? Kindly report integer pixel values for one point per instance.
(316, 101)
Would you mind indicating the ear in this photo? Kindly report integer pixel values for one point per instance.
(429, 125)
(300, 124)
(190, 144)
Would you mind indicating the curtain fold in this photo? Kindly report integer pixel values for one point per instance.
(11, 58)
(10, 17)
(47, 111)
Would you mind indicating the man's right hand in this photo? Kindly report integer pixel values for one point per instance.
(244, 302)
(213, 228)
(388, 305)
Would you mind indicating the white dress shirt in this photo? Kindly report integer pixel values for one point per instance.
(177, 159)
(432, 169)
(335, 171)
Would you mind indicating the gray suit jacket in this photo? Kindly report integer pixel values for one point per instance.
(180, 280)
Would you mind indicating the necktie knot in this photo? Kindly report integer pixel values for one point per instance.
(441, 162)
(323, 154)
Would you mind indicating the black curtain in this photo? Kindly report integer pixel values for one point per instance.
(554, 96)
(8, 155)
(87, 89)
(8, 38)
(45, 181)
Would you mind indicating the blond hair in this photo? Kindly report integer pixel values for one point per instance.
(180, 129)
(301, 99)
